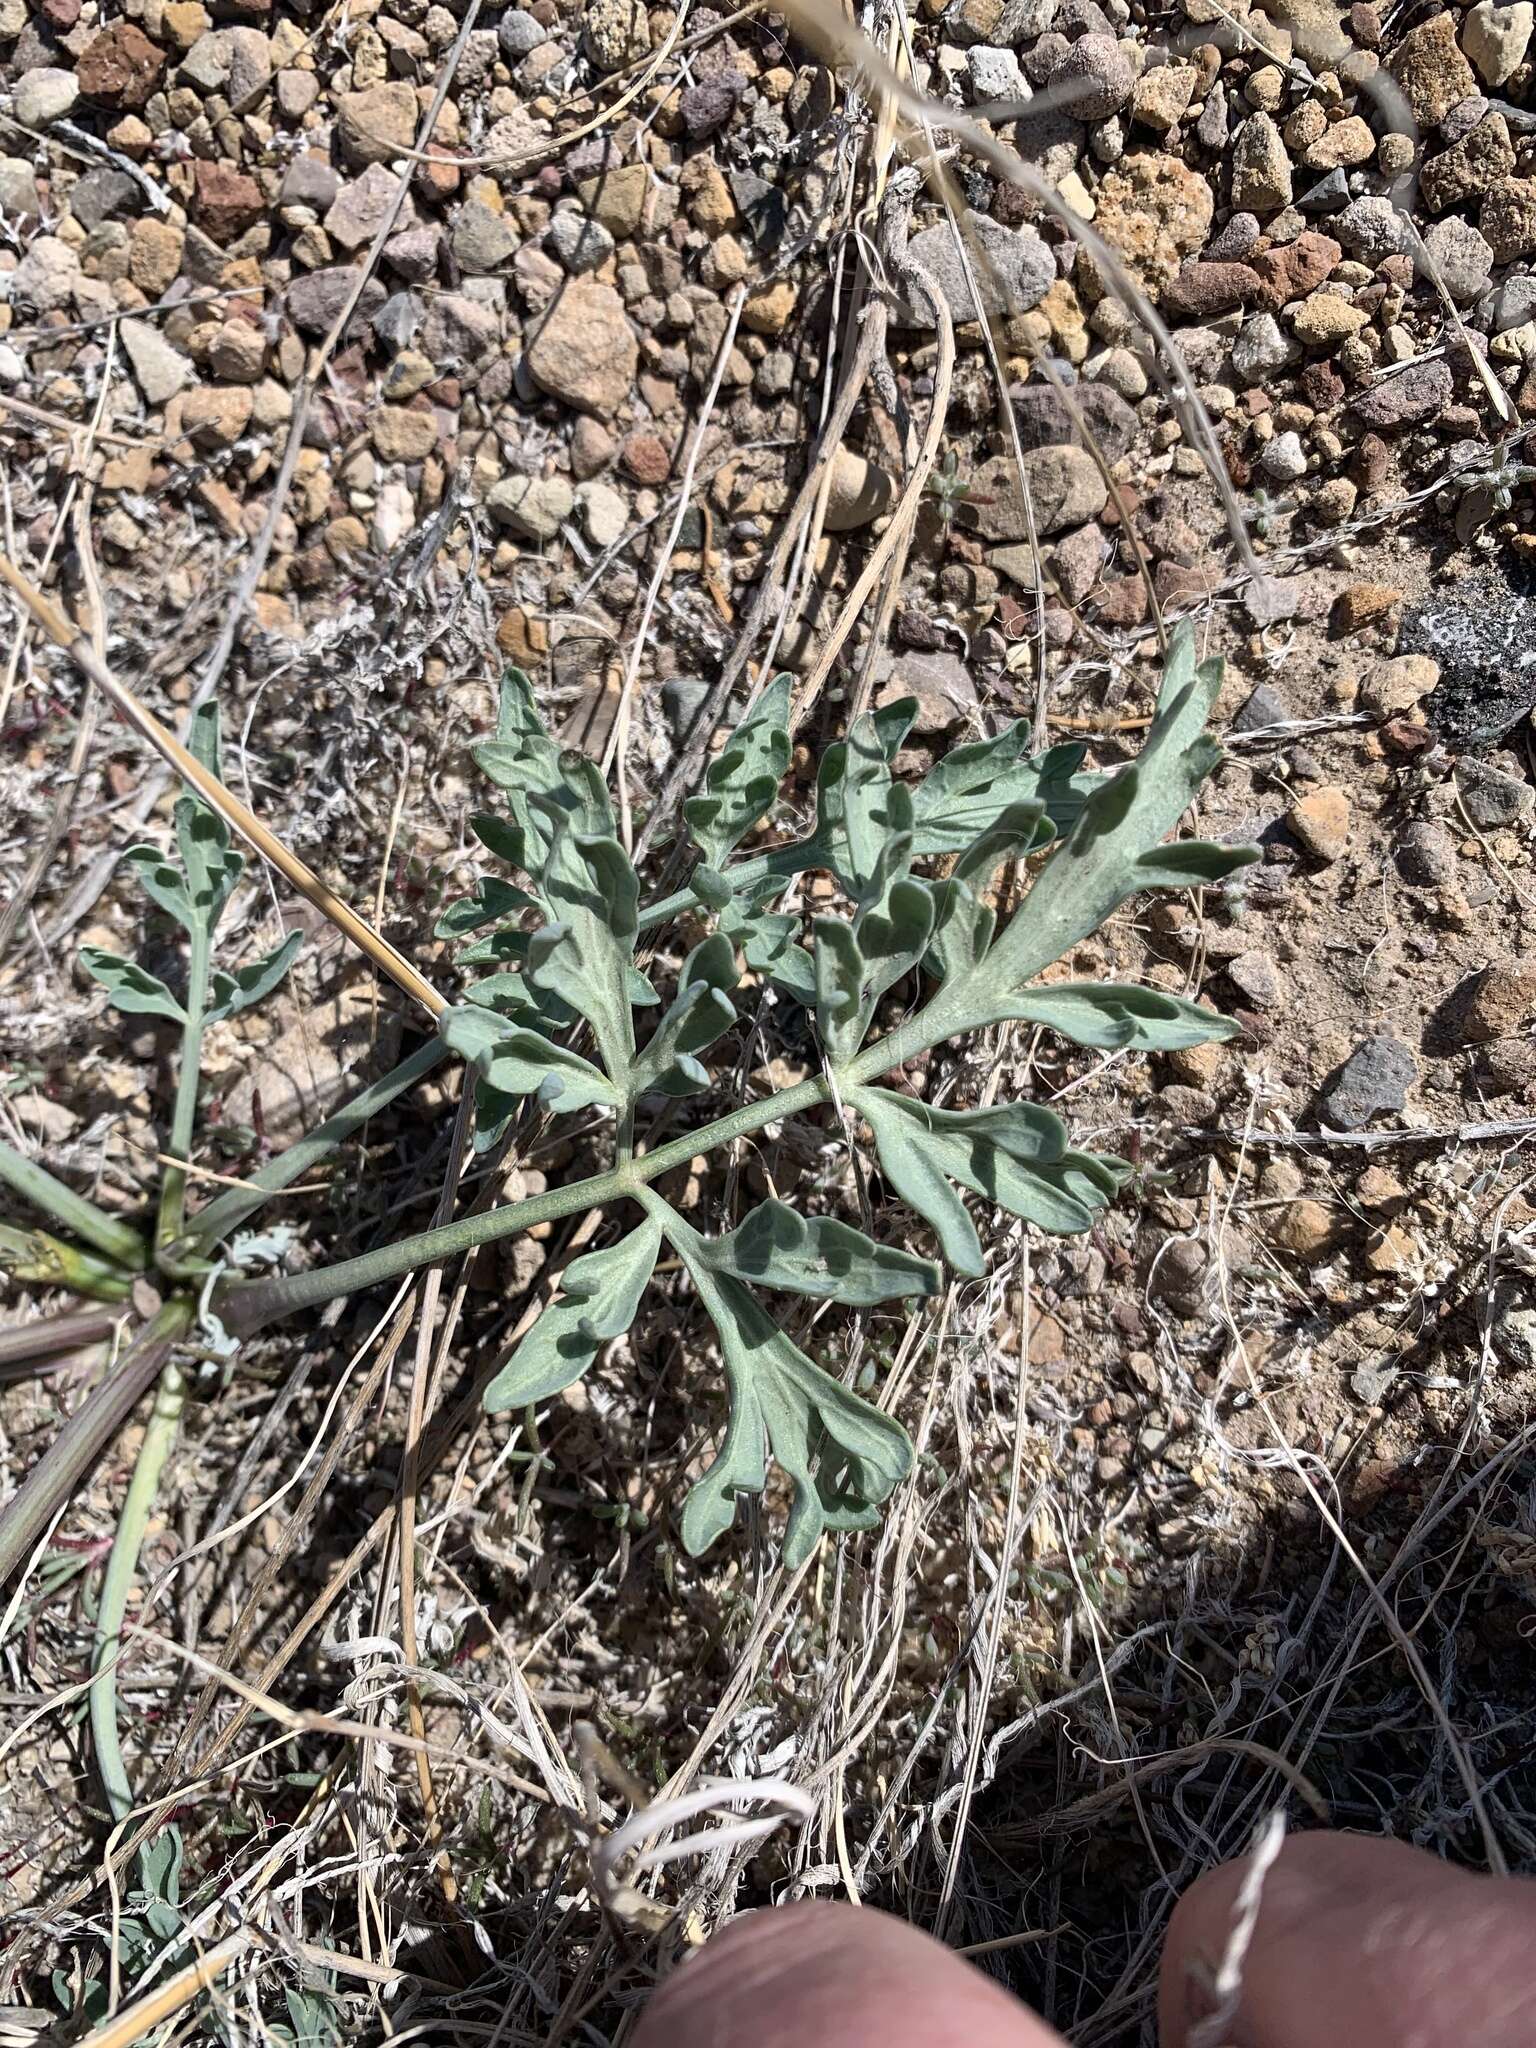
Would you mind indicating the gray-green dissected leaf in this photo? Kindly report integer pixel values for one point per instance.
(1114, 849)
(697, 1015)
(1015, 1155)
(514, 1060)
(129, 986)
(163, 883)
(841, 1015)
(211, 864)
(1113, 1014)
(843, 1457)
(490, 899)
(969, 791)
(599, 1295)
(743, 779)
(248, 985)
(769, 943)
(583, 956)
(846, 766)
(525, 762)
(774, 1246)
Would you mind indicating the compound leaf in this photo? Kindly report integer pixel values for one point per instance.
(842, 1456)
(129, 986)
(583, 955)
(490, 899)
(1113, 1014)
(697, 1015)
(1015, 1155)
(971, 789)
(163, 883)
(514, 1060)
(829, 1260)
(742, 781)
(599, 1296)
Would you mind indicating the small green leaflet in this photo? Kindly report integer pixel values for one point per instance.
(743, 780)
(843, 1457)
(129, 986)
(249, 985)
(600, 1293)
(774, 1246)
(514, 1060)
(1115, 847)
(584, 954)
(1112, 1014)
(525, 762)
(1015, 1156)
(966, 792)
(490, 899)
(698, 1014)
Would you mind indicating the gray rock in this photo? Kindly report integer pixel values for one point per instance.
(1049, 138)
(44, 95)
(309, 181)
(1256, 977)
(1234, 241)
(1513, 303)
(1425, 855)
(1421, 392)
(1025, 269)
(105, 194)
(531, 505)
(1461, 256)
(1264, 706)
(1261, 166)
(1284, 460)
(1261, 348)
(1328, 195)
(995, 74)
(517, 33)
(1376, 1077)
(1065, 486)
(18, 188)
(682, 699)
(458, 329)
(315, 300)
(363, 205)
(159, 370)
(1045, 420)
(1493, 798)
(578, 244)
(1482, 632)
(483, 239)
(1372, 230)
(1024, 21)
(413, 253)
(45, 278)
(398, 321)
(1093, 80)
(1214, 128)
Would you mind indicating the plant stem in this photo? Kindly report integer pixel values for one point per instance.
(50, 1335)
(245, 1308)
(60, 1470)
(229, 1210)
(173, 1191)
(132, 1521)
(79, 1217)
(47, 1261)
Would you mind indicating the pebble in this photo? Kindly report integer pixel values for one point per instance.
(1261, 168)
(1480, 161)
(1373, 229)
(1020, 268)
(1507, 220)
(375, 125)
(585, 352)
(1093, 80)
(1260, 349)
(1493, 798)
(517, 33)
(615, 33)
(1497, 37)
(159, 370)
(605, 514)
(578, 244)
(1326, 319)
(1498, 1002)
(315, 300)
(44, 96)
(1462, 258)
(533, 506)
(1376, 1077)
(859, 491)
(1414, 395)
(1321, 821)
(483, 239)
(1284, 460)
(1426, 855)
(1431, 71)
(995, 75)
